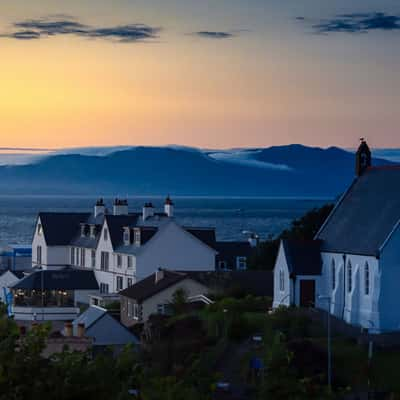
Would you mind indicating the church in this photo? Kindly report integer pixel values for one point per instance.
(352, 267)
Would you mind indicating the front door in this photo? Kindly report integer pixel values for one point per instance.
(307, 293)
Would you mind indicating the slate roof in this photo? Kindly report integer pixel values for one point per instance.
(229, 251)
(258, 283)
(303, 257)
(116, 223)
(366, 214)
(65, 279)
(60, 228)
(206, 235)
(103, 328)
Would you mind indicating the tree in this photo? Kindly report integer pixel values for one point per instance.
(179, 301)
(304, 228)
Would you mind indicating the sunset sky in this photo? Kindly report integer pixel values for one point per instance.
(208, 73)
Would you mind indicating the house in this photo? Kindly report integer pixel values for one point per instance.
(233, 255)
(16, 257)
(121, 247)
(154, 294)
(359, 246)
(104, 330)
(7, 279)
(52, 295)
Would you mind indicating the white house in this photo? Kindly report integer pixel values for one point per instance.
(121, 247)
(359, 248)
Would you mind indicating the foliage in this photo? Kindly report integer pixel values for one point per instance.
(179, 301)
(304, 228)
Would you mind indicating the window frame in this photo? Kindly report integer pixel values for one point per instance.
(240, 261)
(333, 275)
(119, 283)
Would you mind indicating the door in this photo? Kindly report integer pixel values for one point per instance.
(307, 293)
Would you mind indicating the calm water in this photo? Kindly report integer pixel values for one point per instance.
(230, 216)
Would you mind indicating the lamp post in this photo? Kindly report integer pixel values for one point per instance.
(329, 299)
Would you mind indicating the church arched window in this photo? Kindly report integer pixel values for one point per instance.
(366, 279)
(333, 275)
(349, 277)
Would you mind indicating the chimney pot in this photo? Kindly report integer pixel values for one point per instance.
(68, 331)
(159, 275)
(81, 330)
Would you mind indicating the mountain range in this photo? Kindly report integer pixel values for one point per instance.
(279, 171)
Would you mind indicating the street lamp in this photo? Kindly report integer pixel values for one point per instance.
(329, 299)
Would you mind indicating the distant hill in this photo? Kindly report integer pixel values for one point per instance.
(293, 170)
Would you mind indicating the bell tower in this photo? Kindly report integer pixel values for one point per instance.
(363, 157)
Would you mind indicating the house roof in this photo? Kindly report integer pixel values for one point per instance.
(148, 287)
(303, 257)
(366, 215)
(116, 223)
(103, 328)
(65, 279)
(17, 274)
(205, 235)
(258, 283)
(60, 228)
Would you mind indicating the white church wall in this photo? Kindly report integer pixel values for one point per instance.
(282, 297)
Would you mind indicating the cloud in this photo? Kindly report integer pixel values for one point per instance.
(214, 34)
(55, 25)
(357, 23)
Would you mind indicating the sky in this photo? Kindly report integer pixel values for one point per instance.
(206, 73)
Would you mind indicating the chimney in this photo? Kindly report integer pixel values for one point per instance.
(68, 332)
(99, 208)
(363, 158)
(169, 207)
(120, 207)
(92, 231)
(159, 275)
(148, 211)
(81, 330)
(253, 240)
(127, 235)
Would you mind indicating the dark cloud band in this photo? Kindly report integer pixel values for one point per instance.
(214, 34)
(53, 26)
(357, 23)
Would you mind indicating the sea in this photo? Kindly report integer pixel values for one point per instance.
(233, 217)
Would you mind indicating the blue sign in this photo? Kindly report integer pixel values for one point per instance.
(8, 296)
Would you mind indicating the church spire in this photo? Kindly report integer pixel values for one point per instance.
(363, 157)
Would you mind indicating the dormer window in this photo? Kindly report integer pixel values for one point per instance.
(137, 238)
(127, 236)
(92, 231)
(83, 230)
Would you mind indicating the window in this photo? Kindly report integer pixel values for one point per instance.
(93, 258)
(129, 261)
(104, 288)
(105, 234)
(281, 281)
(333, 275)
(104, 263)
(133, 310)
(366, 279)
(127, 236)
(222, 265)
(119, 260)
(160, 308)
(39, 255)
(77, 256)
(40, 229)
(129, 282)
(83, 257)
(72, 256)
(137, 237)
(241, 263)
(349, 277)
(120, 284)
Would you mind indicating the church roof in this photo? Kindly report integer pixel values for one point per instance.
(366, 215)
(303, 257)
